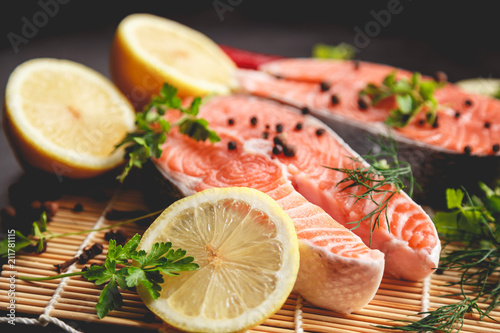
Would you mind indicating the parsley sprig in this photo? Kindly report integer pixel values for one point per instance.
(471, 227)
(152, 128)
(125, 267)
(379, 181)
(36, 240)
(412, 96)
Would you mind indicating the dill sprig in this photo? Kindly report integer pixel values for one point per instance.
(471, 233)
(377, 177)
(447, 318)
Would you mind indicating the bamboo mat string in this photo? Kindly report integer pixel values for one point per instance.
(298, 315)
(425, 294)
(425, 297)
(45, 317)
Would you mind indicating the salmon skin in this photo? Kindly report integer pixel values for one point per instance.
(449, 153)
(296, 177)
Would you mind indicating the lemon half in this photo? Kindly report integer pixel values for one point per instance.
(482, 86)
(149, 50)
(65, 118)
(248, 254)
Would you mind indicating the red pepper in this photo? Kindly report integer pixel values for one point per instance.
(248, 59)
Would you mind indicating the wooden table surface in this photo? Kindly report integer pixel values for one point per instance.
(423, 36)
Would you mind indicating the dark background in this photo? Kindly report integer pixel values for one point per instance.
(460, 38)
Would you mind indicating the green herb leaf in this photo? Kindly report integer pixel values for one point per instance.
(147, 270)
(123, 253)
(152, 128)
(150, 259)
(412, 96)
(42, 222)
(454, 198)
(343, 51)
(20, 243)
(37, 230)
(497, 94)
(110, 299)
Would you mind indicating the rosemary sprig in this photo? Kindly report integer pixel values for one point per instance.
(412, 96)
(152, 128)
(378, 181)
(472, 225)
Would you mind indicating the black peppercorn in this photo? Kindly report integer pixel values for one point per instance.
(320, 131)
(289, 150)
(78, 207)
(324, 86)
(334, 99)
(277, 149)
(362, 104)
(441, 76)
(435, 123)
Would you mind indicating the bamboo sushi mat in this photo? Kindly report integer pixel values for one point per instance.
(65, 303)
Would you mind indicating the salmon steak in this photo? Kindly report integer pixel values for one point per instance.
(338, 271)
(464, 138)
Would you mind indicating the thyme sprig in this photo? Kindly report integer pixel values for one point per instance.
(152, 128)
(378, 181)
(471, 229)
(412, 96)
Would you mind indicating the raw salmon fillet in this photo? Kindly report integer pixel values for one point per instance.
(411, 246)
(466, 122)
(337, 270)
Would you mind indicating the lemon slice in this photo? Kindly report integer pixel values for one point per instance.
(482, 86)
(247, 250)
(65, 118)
(149, 50)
